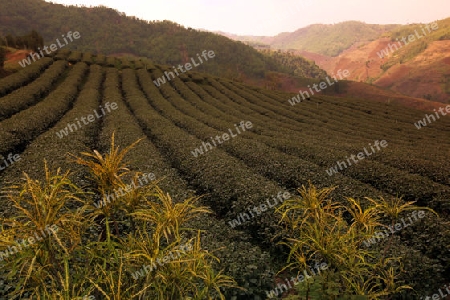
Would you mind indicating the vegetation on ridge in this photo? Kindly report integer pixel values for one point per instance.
(105, 30)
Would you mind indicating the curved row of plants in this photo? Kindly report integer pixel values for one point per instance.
(27, 124)
(111, 61)
(365, 124)
(169, 122)
(53, 149)
(28, 95)
(355, 121)
(405, 160)
(87, 58)
(79, 140)
(24, 76)
(352, 148)
(61, 54)
(236, 258)
(428, 156)
(383, 111)
(360, 107)
(125, 63)
(145, 157)
(381, 177)
(74, 57)
(286, 171)
(305, 119)
(100, 59)
(412, 268)
(429, 191)
(435, 168)
(47, 146)
(258, 155)
(234, 188)
(254, 154)
(138, 64)
(42, 265)
(108, 61)
(317, 133)
(440, 249)
(369, 114)
(275, 119)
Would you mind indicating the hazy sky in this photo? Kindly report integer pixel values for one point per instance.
(270, 17)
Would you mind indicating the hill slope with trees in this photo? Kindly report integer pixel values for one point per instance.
(105, 30)
(326, 39)
(420, 68)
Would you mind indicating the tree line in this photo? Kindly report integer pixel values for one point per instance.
(31, 41)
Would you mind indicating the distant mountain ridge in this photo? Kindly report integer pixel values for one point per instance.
(325, 39)
(419, 69)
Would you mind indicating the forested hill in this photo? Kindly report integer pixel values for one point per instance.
(105, 30)
(302, 66)
(333, 38)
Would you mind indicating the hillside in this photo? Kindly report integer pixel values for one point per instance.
(302, 67)
(285, 147)
(419, 69)
(107, 31)
(325, 39)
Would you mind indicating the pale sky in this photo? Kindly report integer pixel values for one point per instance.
(270, 17)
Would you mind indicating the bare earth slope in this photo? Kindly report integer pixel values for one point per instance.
(426, 74)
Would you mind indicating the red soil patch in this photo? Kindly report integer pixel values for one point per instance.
(423, 75)
(360, 59)
(374, 93)
(416, 78)
(16, 56)
(360, 90)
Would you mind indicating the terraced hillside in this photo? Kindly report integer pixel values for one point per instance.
(265, 146)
